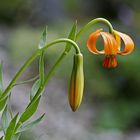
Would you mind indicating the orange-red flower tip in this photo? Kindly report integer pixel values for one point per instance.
(112, 46)
(110, 62)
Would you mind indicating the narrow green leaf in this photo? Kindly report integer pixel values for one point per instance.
(34, 89)
(71, 36)
(11, 128)
(43, 39)
(6, 118)
(27, 81)
(42, 67)
(29, 111)
(31, 124)
(3, 102)
(1, 78)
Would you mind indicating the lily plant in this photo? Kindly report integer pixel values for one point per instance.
(12, 125)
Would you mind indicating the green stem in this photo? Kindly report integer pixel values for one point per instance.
(26, 64)
(53, 68)
(77, 49)
(41, 88)
(29, 61)
(94, 21)
(48, 76)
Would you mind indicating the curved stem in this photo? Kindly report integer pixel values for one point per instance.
(94, 21)
(77, 49)
(29, 61)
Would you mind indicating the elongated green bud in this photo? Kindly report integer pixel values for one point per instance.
(77, 82)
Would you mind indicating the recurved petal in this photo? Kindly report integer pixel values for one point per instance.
(110, 44)
(91, 42)
(128, 42)
(118, 40)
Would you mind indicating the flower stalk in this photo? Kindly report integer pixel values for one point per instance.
(93, 22)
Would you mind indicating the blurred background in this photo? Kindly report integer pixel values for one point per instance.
(111, 106)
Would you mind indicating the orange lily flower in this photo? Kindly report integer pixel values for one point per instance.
(112, 46)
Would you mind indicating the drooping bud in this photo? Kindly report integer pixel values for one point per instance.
(77, 82)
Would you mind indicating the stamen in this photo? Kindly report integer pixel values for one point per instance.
(110, 61)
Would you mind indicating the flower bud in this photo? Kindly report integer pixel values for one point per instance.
(77, 82)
